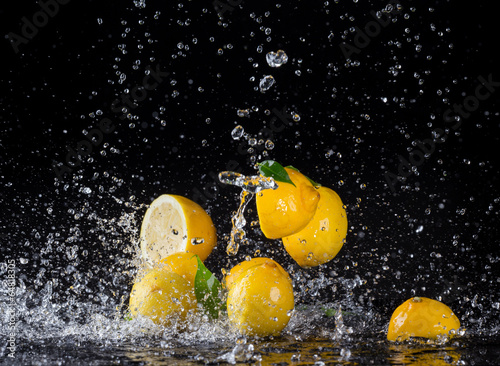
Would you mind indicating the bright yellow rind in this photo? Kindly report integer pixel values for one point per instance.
(242, 267)
(323, 237)
(287, 209)
(174, 224)
(163, 296)
(184, 264)
(260, 300)
(422, 317)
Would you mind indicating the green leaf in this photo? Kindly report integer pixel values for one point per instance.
(329, 312)
(270, 168)
(128, 316)
(207, 288)
(316, 185)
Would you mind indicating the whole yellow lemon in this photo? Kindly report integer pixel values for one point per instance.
(163, 296)
(260, 299)
(183, 263)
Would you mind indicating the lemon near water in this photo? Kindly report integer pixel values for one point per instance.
(260, 298)
(175, 224)
(183, 263)
(422, 317)
(242, 267)
(163, 296)
(323, 237)
(287, 209)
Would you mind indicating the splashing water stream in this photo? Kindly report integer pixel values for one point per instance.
(250, 185)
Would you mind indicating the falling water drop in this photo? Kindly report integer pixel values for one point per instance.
(266, 83)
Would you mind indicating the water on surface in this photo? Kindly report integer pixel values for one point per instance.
(193, 90)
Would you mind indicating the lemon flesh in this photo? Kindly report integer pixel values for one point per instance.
(287, 209)
(422, 317)
(163, 296)
(174, 224)
(323, 237)
(260, 300)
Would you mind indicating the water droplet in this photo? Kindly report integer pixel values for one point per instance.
(243, 112)
(237, 132)
(276, 59)
(266, 82)
(269, 145)
(197, 241)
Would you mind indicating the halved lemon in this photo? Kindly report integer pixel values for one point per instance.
(174, 224)
(323, 237)
(424, 318)
(287, 209)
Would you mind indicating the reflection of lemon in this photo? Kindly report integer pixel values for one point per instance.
(176, 224)
(260, 299)
(432, 356)
(287, 209)
(163, 296)
(184, 264)
(422, 317)
(323, 237)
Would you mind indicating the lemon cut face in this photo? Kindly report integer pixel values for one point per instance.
(422, 317)
(174, 224)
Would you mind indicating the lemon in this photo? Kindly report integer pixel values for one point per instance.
(287, 209)
(324, 236)
(184, 264)
(163, 296)
(241, 267)
(260, 299)
(175, 224)
(422, 317)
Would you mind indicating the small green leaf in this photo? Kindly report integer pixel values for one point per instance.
(207, 288)
(128, 317)
(329, 312)
(270, 168)
(316, 185)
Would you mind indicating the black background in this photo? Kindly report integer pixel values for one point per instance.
(54, 86)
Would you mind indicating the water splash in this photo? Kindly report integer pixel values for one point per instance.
(249, 185)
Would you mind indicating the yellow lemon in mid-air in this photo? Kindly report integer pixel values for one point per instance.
(324, 236)
(163, 296)
(287, 209)
(422, 317)
(175, 224)
(183, 263)
(260, 299)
